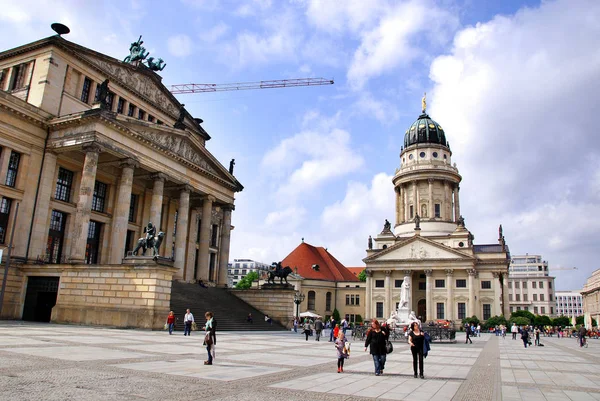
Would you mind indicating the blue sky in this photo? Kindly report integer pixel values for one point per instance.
(514, 84)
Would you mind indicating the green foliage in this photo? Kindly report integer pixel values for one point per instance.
(358, 319)
(471, 320)
(495, 321)
(523, 313)
(542, 320)
(561, 321)
(246, 281)
(520, 321)
(362, 276)
(336, 316)
(581, 320)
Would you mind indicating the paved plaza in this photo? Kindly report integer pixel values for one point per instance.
(62, 362)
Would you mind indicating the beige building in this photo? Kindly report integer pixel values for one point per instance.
(429, 246)
(591, 298)
(89, 169)
(530, 286)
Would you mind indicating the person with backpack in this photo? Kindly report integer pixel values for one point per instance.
(525, 337)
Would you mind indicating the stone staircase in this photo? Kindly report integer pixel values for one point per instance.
(230, 311)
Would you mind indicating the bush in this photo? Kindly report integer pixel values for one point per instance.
(561, 321)
(358, 319)
(246, 281)
(471, 320)
(542, 320)
(520, 321)
(494, 321)
(362, 276)
(336, 316)
(581, 320)
(523, 313)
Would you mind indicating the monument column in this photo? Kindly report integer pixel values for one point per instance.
(505, 301)
(428, 295)
(39, 237)
(183, 214)
(157, 200)
(84, 203)
(471, 308)
(497, 307)
(202, 273)
(431, 204)
(456, 203)
(121, 213)
(224, 246)
(388, 293)
(449, 294)
(368, 294)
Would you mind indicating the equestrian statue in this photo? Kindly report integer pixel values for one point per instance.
(278, 271)
(150, 240)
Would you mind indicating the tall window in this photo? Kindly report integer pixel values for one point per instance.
(535, 297)
(411, 212)
(5, 205)
(438, 209)
(150, 118)
(357, 300)
(56, 234)
(516, 284)
(311, 300)
(133, 208)
(130, 110)
(379, 310)
(379, 283)
(541, 284)
(518, 297)
(550, 284)
(93, 243)
(109, 101)
(198, 231)
(461, 283)
(543, 310)
(99, 199)
(487, 311)
(328, 301)
(398, 283)
(213, 235)
(18, 76)
(422, 285)
(524, 284)
(141, 114)
(541, 297)
(347, 299)
(535, 310)
(13, 168)
(440, 283)
(440, 310)
(85, 91)
(120, 105)
(64, 185)
(462, 310)
(486, 285)
(533, 284)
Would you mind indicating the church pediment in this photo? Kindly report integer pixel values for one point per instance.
(417, 248)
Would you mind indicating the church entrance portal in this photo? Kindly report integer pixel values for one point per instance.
(40, 298)
(422, 310)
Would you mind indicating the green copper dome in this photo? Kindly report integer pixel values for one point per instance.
(425, 130)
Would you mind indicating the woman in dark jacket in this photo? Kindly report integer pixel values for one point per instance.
(376, 340)
(210, 338)
(416, 339)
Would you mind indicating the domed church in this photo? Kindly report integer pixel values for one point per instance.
(429, 247)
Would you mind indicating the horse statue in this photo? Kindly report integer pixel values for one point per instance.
(136, 52)
(151, 240)
(278, 271)
(156, 65)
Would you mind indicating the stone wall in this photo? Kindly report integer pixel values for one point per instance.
(136, 294)
(14, 294)
(277, 303)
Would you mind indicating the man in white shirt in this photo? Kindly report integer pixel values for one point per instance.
(514, 330)
(188, 319)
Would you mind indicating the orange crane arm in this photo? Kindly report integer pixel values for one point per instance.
(275, 83)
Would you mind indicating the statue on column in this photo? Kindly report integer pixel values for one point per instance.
(417, 221)
(370, 242)
(404, 295)
(387, 226)
(461, 221)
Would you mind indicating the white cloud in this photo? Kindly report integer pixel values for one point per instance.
(252, 8)
(349, 15)
(393, 42)
(384, 111)
(517, 97)
(215, 33)
(290, 217)
(180, 45)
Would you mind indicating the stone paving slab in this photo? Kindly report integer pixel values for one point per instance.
(76, 353)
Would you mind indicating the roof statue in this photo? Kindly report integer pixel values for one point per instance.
(103, 94)
(461, 221)
(387, 226)
(137, 52)
(500, 232)
(179, 123)
(370, 242)
(156, 65)
(417, 222)
(424, 103)
(231, 164)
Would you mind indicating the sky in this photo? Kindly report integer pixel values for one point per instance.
(515, 84)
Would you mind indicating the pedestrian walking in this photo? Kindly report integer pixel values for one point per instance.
(318, 329)
(468, 334)
(514, 330)
(479, 330)
(344, 325)
(210, 337)
(331, 325)
(250, 319)
(342, 351)
(525, 337)
(188, 319)
(416, 339)
(582, 334)
(537, 336)
(171, 322)
(376, 342)
(306, 330)
(295, 323)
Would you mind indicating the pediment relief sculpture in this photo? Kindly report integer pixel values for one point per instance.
(486, 299)
(439, 298)
(379, 297)
(418, 250)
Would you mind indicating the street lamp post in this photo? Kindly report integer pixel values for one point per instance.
(298, 299)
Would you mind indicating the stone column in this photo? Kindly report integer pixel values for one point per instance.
(397, 191)
(431, 203)
(496, 307)
(447, 202)
(406, 208)
(505, 301)
(183, 213)
(456, 204)
(471, 305)
(224, 246)
(121, 213)
(415, 200)
(84, 203)
(191, 247)
(418, 199)
(202, 273)
(157, 200)
(368, 294)
(449, 294)
(428, 295)
(39, 236)
(388, 293)
(401, 191)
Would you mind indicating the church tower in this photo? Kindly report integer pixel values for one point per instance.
(426, 184)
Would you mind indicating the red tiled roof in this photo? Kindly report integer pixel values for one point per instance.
(355, 270)
(330, 269)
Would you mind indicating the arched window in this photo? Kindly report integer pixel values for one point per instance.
(328, 301)
(311, 300)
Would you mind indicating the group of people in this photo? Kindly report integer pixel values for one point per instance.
(210, 330)
(317, 326)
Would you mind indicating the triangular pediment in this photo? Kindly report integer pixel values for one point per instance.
(418, 248)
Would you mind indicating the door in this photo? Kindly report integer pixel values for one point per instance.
(40, 298)
(422, 309)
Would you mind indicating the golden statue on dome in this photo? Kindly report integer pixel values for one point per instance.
(424, 102)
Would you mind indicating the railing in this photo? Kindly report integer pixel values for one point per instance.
(440, 334)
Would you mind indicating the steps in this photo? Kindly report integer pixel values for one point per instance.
(230, 312)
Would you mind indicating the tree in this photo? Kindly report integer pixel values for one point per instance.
(520, 321)
(362, 276)
(358, 319)
(561, 321)
(471, 320)
(246, 281)
(523, 313)
(542, 320)
(581, 320)
(336, 315)
(494, 321)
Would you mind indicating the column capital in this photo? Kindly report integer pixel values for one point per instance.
(92, 147)
(186, 188)
(449, 272)
(496, 275)
(471, 272)
(130, 163)
(430, 181)
(228, 207)
(368, 273)
(209, 198)
(387, 273)
(407, 273)
(159, 177)
(428, 272)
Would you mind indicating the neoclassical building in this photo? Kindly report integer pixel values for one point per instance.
(591, 298)
(92, 149)
(429, 245)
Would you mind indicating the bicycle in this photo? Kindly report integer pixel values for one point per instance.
(584, 343)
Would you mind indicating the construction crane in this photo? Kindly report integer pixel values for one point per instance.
(272, 84)
(564, 268)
